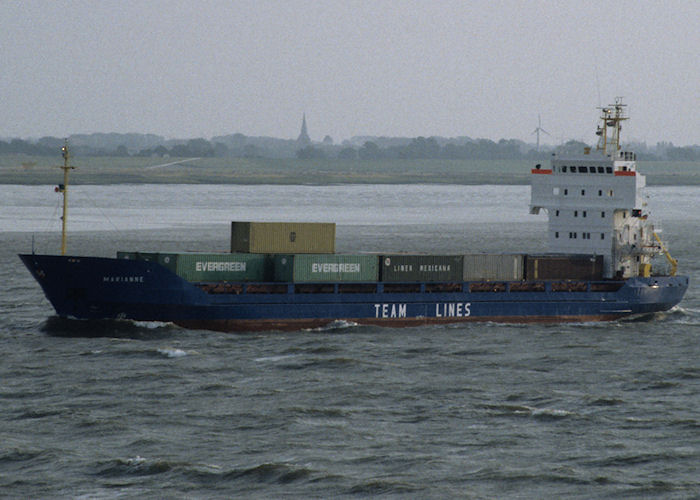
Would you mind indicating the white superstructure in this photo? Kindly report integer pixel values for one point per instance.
(596, 203)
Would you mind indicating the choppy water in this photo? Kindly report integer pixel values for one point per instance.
(122, 410)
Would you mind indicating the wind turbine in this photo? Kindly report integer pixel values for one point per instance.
(538, 130)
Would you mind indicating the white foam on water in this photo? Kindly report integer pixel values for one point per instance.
(171, 352)
(137, 460)
(274, 359)
(151, 325)
(334, 325)
(550, 412)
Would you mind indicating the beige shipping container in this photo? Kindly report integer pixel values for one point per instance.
(493, 267)
(283, 237)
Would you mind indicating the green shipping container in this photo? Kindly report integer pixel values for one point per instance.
(210, 266)
(283, 237)
(223, 267)
(150, 256)
(167, 260)
(407, 268)
(308, 268)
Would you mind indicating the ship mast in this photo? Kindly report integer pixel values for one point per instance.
(63, 188)
(611, 117)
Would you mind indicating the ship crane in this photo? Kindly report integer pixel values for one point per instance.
(667, 254)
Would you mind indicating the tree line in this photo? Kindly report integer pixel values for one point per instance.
(380, 148)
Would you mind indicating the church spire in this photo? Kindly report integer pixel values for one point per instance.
(304, 138)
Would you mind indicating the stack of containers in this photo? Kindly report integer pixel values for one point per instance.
(303, 252)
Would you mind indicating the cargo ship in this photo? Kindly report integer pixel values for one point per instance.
(602, 260)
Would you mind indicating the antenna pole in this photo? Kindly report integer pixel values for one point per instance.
(63, 188)
(611, 117)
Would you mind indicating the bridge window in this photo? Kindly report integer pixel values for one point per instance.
(601, 170)
(573, 169)
(608, 170)
(583, 170)
(563, 169)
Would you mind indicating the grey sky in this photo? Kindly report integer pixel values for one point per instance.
(398, 68)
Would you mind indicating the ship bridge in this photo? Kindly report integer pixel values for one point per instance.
(596, 204)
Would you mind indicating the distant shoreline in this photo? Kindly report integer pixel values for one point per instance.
(30, 170)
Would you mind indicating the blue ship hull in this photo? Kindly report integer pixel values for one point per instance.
(104, 288)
